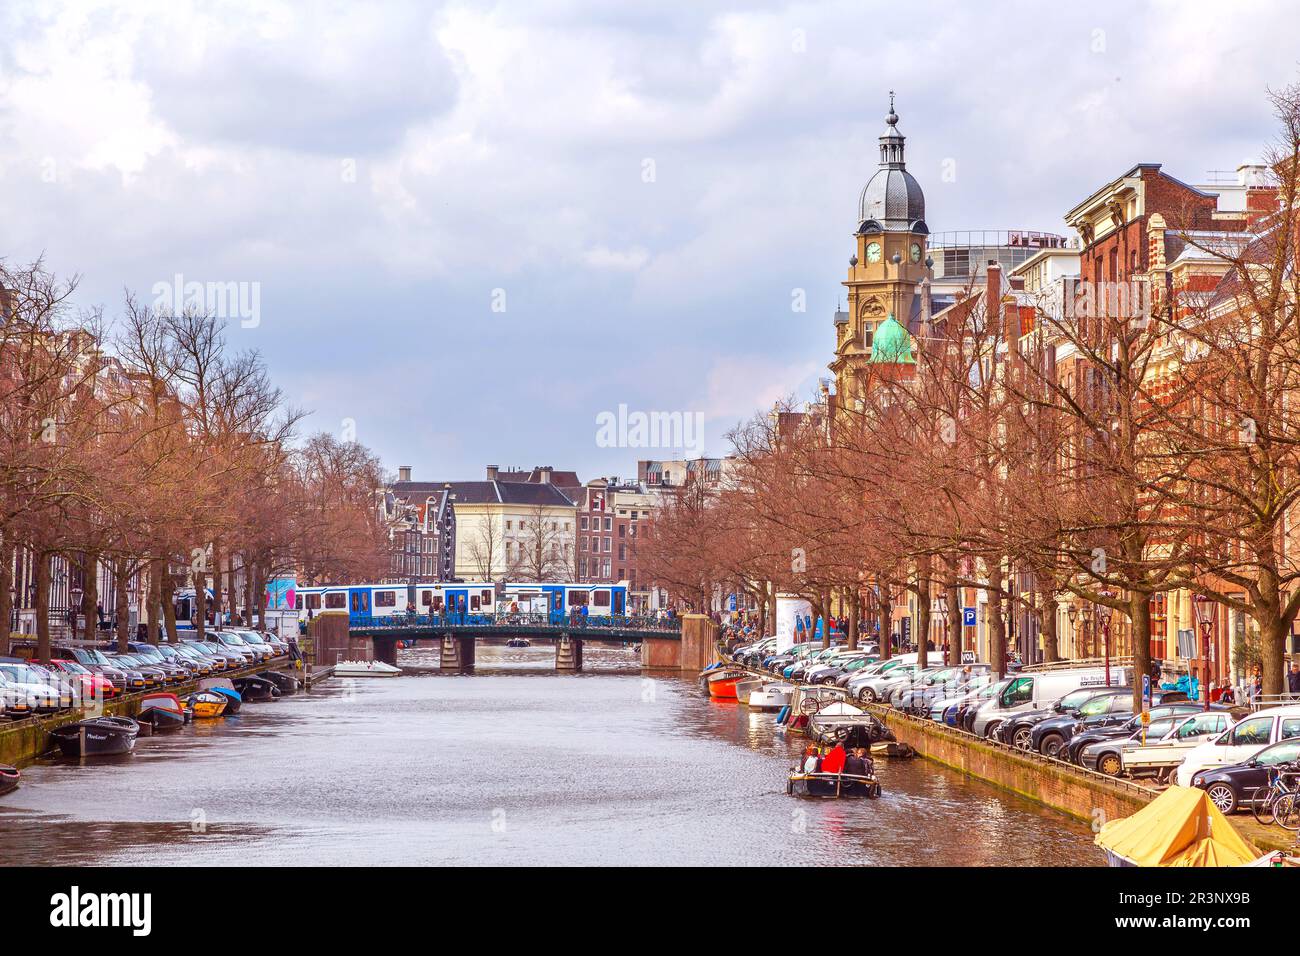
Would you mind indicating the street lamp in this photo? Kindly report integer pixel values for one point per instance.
(1086, 628)
(1103, 616)
(943, 610)
(1071, 612)
(1204, 609)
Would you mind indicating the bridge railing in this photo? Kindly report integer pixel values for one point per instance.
(554, 620)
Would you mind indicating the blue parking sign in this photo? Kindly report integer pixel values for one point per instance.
(968, 616)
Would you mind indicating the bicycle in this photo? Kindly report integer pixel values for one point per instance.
(1278, 795)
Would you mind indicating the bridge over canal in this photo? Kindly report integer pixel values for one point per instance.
(683, 643)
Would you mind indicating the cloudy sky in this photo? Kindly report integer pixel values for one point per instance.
(474, 227)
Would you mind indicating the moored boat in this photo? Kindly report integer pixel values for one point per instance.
(206, 704)
(722, 683)
(745, 688)
(9, 777)
(833, 785)
(161, 713)
(255, 688)
(518, 642)
(97, 737)
(770, 697)
(365, 669)
(225, 688)
(286, 683)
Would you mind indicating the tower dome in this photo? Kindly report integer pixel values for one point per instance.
(892, 200)
(891, 343)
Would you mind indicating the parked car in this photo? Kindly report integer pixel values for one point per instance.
(15, 702)
(41, 695)
(939, 684)
(92, 686)
(1242, 741)
(1084, 738)
(1040, 690)
(1083, 709)
(1104, 755)
(229, 641)
(1235, 786)
(1159, 758)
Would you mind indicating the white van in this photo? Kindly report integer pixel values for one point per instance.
(1241, 741)
(1041, 689)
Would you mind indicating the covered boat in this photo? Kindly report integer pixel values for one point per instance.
(161, 712)
(97, 737)
(365, 669)
(9, 777)
(1181, 827)
(833, 785)
(286, 683)
(224, 688)
(518, 642)
(255, 688)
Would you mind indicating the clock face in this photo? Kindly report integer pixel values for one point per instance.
(916, 252)
(873, 252)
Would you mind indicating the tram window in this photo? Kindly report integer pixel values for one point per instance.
(473, 602)
(313, 602)
(600, 598)
(437, 602)
(487, 598)
(385, 599)
(577, 598)
(426, 598)
(336, 601)
(360, 602)
(297, 602)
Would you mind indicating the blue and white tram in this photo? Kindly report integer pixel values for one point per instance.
(560, 600)
(473, 601)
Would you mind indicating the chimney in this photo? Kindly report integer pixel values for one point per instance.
(491, 472)
(546, 475)
(993, 312)
(403, 472)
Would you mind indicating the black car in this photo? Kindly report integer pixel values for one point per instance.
(1083, 738)
(1233, 788)
(1105, 709)
(1017, 730)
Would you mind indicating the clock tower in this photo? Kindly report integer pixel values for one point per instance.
(885, 271)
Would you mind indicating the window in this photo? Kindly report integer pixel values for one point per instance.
(486, 596)
(622, 551)
(473, 602)
(609, 524)
(1279, 753)
(1256, 730)
(437, 602)
(582, 567)
(510, 525)
(1204, 724)
(1290, 728)
(583, 524)
(622, 531)
(600, 598)
(385, 599)
(577, 598)
(297, 603)
(582, 543)
(1021, 691)
(336, 601)
(426, 598)
(313, 602)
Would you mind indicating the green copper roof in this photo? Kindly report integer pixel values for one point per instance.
(891, 343)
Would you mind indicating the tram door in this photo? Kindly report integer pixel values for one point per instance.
(457, 604)
(358, 604)
(618, 608)
(554, 604)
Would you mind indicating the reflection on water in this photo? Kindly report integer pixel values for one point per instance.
(514, 764)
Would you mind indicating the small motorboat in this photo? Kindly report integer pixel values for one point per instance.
(722, 683)
(744, 688)
(97, 737)
(161, 713)
(365, 669)
(770, 697)
(9, 777)
(852, 730)
(833, 785)
(518, 642)
(255, 688)
(226, 689)
(286, 683)
(205, 704)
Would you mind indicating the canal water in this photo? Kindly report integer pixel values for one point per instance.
(515, 764)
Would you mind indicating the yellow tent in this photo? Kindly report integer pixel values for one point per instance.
(1181, 827)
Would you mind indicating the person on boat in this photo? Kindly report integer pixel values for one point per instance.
(833, 762)
(811, 763)
(857, 763)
